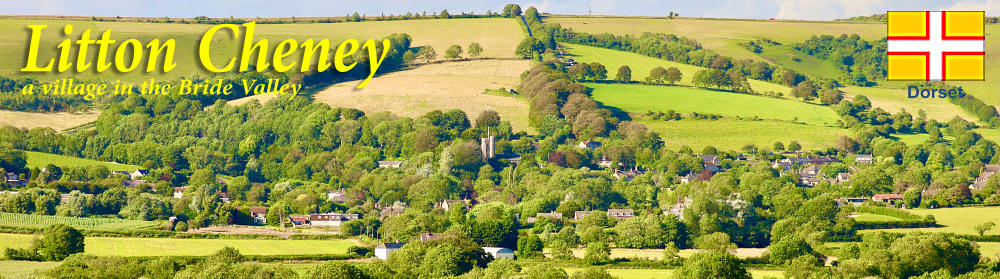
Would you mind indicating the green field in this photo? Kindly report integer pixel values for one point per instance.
(114, 246)
(643, 98)
(40, 160)
(725, 35)
(103, 224)
(788, 57)
(720, 35)
(959, 220)
(668, 273)
(498, 37)
(641, 65)
(24, 269)
(731, 134)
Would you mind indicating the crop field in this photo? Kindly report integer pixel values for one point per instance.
(722, 36)
(732, 134)
(498, 37)
(441, 86)
(24, 269)
(40, 160)
(668, 273)
(641, 65)
(642, 98)
(56, 120)
(959, 220)
(114, 246)
(104, 224)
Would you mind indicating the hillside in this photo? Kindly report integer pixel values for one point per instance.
(58, 120)
(40, 160)
(498, 37)
(642, 98)
(641, 65)
(440, 86)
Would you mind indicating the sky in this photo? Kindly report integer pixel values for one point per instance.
(782, 9)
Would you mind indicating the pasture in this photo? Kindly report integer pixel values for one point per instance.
(498, 37)
(24, 269)
(960, 220)
(720, 35)
(732, 134)
(40, 160)
(103, 224)
(440, 86)
(115, 246)
(788, 57)
(56, 120)
(641, 65)
(642, 98)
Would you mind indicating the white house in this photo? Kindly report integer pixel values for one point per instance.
(499, 252)
(330, 219)
(383, 250)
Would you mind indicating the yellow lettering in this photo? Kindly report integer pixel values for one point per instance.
(32, 63)
(206, 44)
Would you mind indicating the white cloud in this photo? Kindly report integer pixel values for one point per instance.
(987, 6)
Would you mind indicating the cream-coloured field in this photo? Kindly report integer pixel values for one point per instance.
(441, 86)
(58, 120)
(498, 37)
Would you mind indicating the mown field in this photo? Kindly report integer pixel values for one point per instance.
(731, 134)
(498, 36)
(959, 220)
(114, 246)
(104, 224)
(24, 269)
(40, 160)
(57, 121)
(641, 65)
(642, 98)
(788, 57)
(442, 86)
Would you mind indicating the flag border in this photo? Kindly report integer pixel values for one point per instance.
(927, 64)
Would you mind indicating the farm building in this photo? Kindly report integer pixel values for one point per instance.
(864, 158)
(390, 164)
(259, 214)
(620, 214)
(587, 144)
(138, 174)
(179, 192)
(550, 215)
(855, 201)
(383, 250)
(298, 220)
(330, 219)
(499, 252)
(337, 195)
(578, 215)
(428, 236)
(448, 204)
(887, 198)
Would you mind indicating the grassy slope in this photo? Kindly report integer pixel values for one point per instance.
(40, 160)
(109, 224)
(786, 56)
(641, 65)
(642, 98)
(731, 134)
(724, 36)
(443, 86)
(109, 246)
(498, 36)
(894, 99)
(957, 220)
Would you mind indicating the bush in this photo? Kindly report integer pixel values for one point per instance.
(360, 251)
(20, 254)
